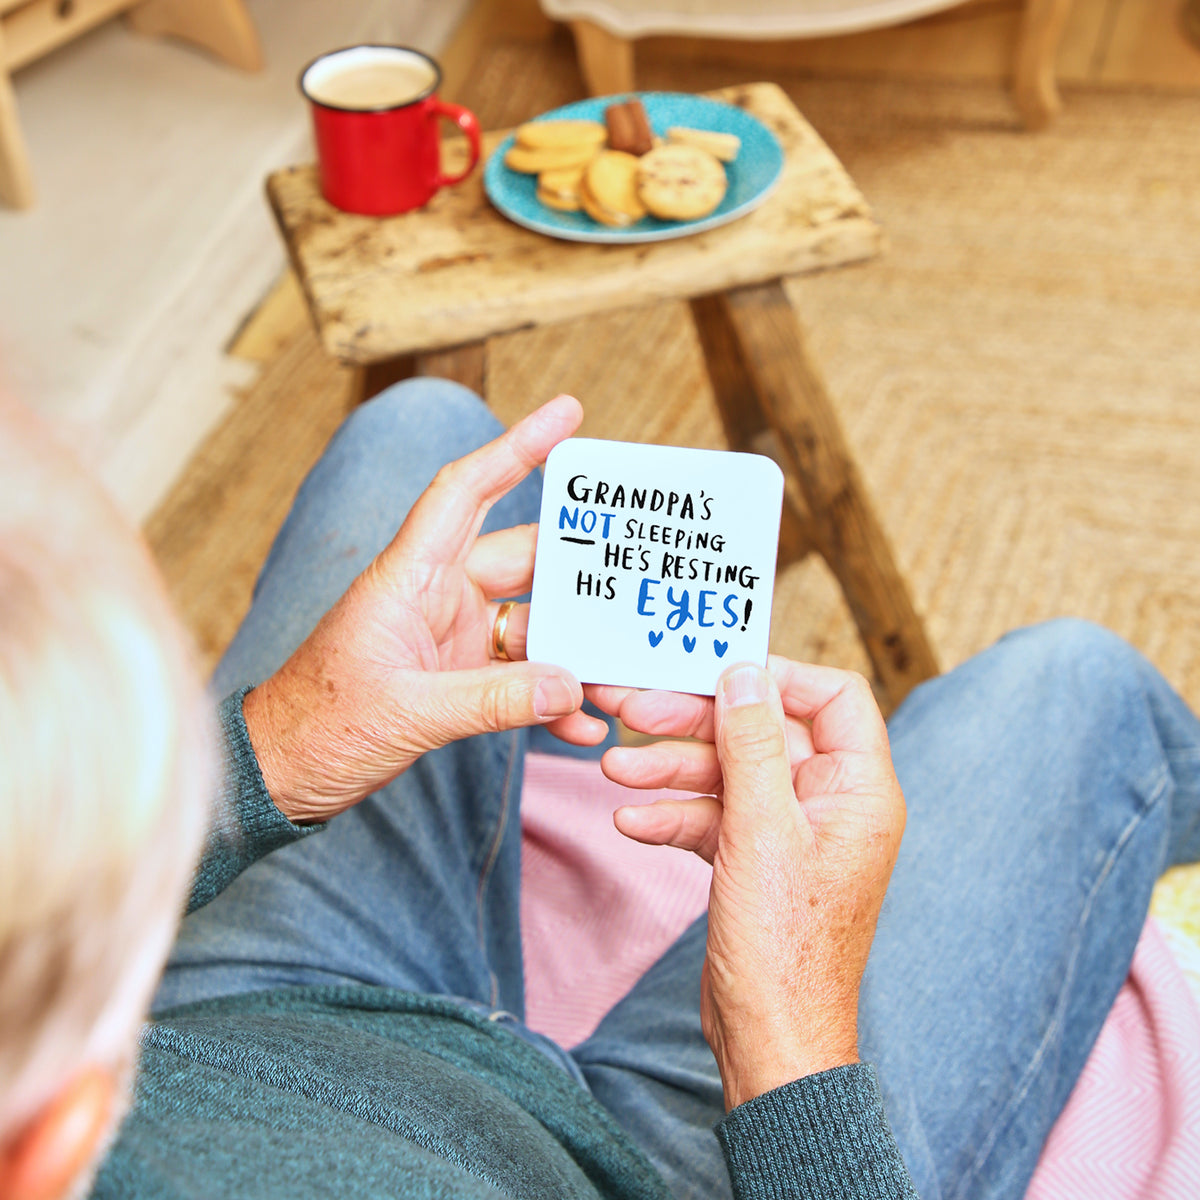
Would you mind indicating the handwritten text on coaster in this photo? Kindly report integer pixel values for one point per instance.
(655, 564)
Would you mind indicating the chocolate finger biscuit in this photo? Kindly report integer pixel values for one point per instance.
(629, 128)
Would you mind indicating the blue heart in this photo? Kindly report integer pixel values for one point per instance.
(720, 647)
(689, 644)
(655, 638)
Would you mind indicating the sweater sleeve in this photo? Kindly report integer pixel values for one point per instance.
(245, 823)
(823, 1137)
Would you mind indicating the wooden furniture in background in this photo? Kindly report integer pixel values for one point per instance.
(605, 32)
(422, 292)
(30, 29)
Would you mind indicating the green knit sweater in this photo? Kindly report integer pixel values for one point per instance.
(365, 1091)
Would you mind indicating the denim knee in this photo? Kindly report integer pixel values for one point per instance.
(1072, 652)
(422, 402)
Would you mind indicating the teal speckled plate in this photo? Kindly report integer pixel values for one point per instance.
(751, 175)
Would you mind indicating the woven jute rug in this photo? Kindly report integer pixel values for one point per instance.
(1019, 375)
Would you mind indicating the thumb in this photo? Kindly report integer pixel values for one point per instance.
(752, 748)
(459, 704)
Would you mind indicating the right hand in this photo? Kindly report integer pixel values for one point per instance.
(802, 828)
(404, 663)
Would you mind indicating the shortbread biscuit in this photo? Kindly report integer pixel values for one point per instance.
(680, 183)
(561, 203)
(560, 189)
(608, 190)
(557, 158)
(552, 135)
(724, 146)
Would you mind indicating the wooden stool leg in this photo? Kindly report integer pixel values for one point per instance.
(465, 364)
(1034, 88)
(796, 404)
(16, 179)
(223, 27)
(746, 428)
(605, 60)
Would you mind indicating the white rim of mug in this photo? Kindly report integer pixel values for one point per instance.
(377, 108)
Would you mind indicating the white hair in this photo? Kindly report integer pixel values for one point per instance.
(105, 750)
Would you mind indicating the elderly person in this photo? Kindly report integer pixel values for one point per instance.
(342, 1012)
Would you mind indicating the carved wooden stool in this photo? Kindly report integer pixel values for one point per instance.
(421, 293)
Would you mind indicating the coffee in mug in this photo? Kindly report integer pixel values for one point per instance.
(375, 120)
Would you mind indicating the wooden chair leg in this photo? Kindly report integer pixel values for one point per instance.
(16, 179)
(605, 60)
(1034, 87)
(223, 27)
(746, 428)
(370, 379)
(465, 364)
(796, 404)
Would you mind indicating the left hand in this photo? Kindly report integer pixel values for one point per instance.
(403, 662)
(801, 823)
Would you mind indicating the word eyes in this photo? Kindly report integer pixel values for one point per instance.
(680, 608)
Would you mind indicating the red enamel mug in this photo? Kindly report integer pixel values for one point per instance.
(376, 121)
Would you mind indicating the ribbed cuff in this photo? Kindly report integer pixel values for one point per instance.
(245, 822)
(823, 1137)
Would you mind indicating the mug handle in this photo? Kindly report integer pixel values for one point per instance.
(468, 122)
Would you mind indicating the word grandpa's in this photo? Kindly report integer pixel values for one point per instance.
(654, 563)
(675, 560)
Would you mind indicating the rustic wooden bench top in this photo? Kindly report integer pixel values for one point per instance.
(457, 271)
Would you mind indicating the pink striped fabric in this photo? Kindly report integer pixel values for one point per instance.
(598, 910)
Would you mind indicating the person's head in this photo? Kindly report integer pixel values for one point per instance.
(104, 780)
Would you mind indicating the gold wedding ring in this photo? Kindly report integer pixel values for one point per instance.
(501, 628)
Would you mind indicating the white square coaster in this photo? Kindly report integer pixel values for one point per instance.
(655, 564)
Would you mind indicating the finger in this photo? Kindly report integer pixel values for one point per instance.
(501, 563)
(516, 631)
(607, 697)
(447, 516)
(839, 704)
(688, 824)
(687, 766)
(459, 704)
(579, 729)
(752, 748)
(665, 714)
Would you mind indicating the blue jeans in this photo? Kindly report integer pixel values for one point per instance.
(1050, 780)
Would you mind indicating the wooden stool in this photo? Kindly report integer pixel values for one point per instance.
(421, 293)
(32, 28)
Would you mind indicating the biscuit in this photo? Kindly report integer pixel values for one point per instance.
(680, 183)
(556, 158)
(561, 203)
(629, 127)
(609, 191)
(724, 146)
(551, 135)
(560, 189)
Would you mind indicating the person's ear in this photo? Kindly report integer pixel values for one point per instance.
(48, 1154)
